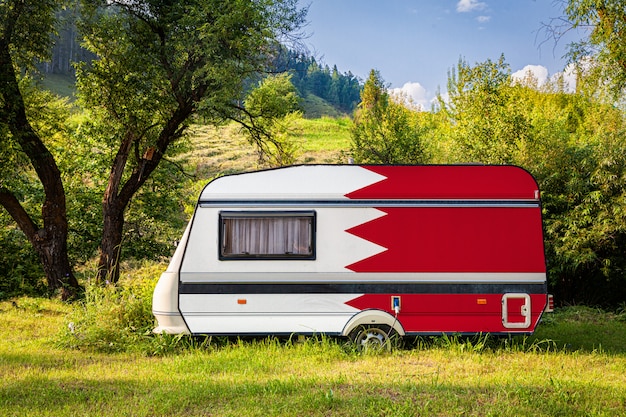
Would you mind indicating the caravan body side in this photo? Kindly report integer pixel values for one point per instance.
(425, 249)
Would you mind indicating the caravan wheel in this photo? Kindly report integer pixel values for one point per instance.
(373, 337)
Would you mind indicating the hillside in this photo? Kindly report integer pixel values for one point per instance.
(225, 150)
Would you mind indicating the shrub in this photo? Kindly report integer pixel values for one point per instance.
(114, 317)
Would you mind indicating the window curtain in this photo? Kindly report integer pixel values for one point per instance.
(267, 236)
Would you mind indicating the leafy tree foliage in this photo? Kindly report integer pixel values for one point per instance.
(490, 123)
(271, 108)
(385, 131)
(158, 64)
(24, 36)
(605, 47)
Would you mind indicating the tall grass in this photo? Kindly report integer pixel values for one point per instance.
(114, 317)
(225, 150)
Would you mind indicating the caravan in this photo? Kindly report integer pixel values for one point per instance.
(361, 251)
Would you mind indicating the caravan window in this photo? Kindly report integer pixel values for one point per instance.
(267, 235)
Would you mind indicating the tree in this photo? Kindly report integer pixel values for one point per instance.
(605, 47)
(25, 28)
(270, 108)
(384, 131)
(159, 63)
(583, 199)
(490, 124)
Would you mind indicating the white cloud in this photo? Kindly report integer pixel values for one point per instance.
(465, 6)
(412, 95)
(536, 73)
(483, 19)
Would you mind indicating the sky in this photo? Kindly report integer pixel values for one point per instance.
(414, 43)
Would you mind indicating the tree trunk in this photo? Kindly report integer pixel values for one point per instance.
(56, 265)
(111, 243)
(113, 215)
(50, 241)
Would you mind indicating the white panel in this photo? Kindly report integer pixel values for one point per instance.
(177, 258)
(306, 182)
(268, 324)
(266, 313)
(201, 250)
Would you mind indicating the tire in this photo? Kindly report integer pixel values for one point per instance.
(373, 337)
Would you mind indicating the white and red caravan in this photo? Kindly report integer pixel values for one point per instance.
(334, 248)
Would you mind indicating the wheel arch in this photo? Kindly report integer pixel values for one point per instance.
(373, 317)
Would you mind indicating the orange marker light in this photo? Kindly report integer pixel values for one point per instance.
(481, 301)
(242, 301)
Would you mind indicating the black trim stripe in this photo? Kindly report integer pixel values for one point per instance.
(360, 288)
(369, 203)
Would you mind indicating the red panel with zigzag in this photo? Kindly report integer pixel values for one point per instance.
(451, 239)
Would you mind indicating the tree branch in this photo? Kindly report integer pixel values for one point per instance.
(17, 212)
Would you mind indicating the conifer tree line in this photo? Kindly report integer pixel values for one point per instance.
(66, 47)
(309, 76)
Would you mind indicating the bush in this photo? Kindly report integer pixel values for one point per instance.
(20, 269)
(115, 317)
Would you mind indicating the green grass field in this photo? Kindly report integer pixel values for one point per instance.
(574, 366)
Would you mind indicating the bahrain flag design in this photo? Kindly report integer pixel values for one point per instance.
(467, 228)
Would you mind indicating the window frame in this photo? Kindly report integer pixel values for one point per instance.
(225, 215)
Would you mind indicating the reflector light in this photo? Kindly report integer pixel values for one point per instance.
(481, 301)
(242, 301)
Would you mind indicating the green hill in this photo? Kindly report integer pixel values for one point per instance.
(315, 107)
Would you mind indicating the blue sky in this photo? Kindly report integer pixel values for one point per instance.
(414, 43)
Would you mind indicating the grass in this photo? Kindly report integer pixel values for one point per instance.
(317, 377)
(585, 329)
(316, 107)
(225, 150)
(325, 135)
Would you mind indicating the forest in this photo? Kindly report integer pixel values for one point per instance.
(92, 181)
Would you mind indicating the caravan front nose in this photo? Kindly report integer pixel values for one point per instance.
(165, 305)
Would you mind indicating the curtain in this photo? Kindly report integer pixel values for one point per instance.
(280, 235)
